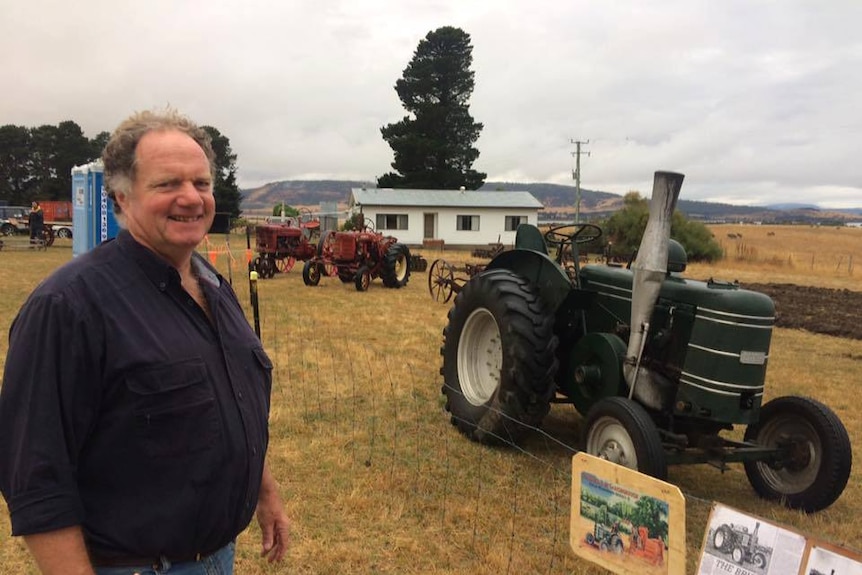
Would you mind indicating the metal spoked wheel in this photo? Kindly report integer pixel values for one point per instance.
(441, 281)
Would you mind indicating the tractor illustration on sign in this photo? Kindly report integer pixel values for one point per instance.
(281, 244)
(606, 535)
(359, 256)
(658, 365)
(742, 546)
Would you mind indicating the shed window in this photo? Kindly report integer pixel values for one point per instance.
(391, 222)
(468, 223)
(512, 222)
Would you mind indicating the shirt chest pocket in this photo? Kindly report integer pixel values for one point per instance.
(175, 409)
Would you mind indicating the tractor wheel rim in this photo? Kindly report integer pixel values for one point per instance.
(480, 357)
(609, 440)
(799, 471)
(400, 267)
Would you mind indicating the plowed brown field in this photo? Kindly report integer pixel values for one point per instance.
(835, 312)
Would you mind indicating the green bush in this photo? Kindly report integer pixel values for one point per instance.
(624, 230)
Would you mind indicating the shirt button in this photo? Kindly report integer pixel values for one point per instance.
(254, 451)
(162, 286)
(239, 394)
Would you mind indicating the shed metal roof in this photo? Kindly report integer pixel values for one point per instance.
(443, 198)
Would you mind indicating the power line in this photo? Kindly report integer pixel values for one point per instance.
(576, 175)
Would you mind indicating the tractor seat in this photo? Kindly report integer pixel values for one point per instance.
(528, 237)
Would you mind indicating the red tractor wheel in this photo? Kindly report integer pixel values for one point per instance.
(363, 278)
(311, 273)
(284, 265)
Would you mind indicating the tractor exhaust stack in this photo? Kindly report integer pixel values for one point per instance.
(650, 269)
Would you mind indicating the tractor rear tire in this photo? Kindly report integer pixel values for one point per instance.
(498, 358)
(325, 243)
(818, 466)
(722, 539)
(620, 430)
(395, 272)
(311, 273)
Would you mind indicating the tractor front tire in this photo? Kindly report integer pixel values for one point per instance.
(759, 560)
(498, 358)
(620, 430)
(363, 278)
(311, 273)
(819, 458)
(395, 272)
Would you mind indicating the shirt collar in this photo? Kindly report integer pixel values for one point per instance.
(157, 270)
(160, 272)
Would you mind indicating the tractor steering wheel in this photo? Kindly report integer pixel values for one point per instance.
(368, 224)
(582, 234)
(569, 235)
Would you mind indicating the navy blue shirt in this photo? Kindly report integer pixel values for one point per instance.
(125, 410)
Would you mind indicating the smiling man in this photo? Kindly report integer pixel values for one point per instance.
(136, 442)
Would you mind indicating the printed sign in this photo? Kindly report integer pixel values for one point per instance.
(742, 544)
(626, 521)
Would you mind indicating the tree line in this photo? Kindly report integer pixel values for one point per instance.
(36, 163)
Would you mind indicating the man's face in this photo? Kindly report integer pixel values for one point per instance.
(171, 205)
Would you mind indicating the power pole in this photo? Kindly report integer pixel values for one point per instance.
(576, 175)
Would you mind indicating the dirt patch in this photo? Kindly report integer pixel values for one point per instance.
(819, 310)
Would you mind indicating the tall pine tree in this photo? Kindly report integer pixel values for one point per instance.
(434, 145)
(225, 189)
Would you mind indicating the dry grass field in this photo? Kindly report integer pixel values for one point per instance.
(378, 481)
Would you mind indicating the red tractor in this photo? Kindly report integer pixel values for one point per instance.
(281, 244)
(359, 256)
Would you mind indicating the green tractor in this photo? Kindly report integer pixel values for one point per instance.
(657, 364)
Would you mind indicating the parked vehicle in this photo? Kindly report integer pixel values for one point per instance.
(280, 244)
(359, 256)
(13, 219)
(658, 365)
(58, 215)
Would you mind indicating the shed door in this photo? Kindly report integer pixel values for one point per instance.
(428, 232)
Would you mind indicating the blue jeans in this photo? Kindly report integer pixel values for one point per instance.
(219, 563)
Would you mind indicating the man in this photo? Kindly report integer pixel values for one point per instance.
(36, 222)
(133, 413)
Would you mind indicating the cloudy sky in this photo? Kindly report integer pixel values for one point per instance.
(754, 100)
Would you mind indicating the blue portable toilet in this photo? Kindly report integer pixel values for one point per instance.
(93, 217)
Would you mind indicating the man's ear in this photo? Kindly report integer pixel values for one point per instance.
(120, 198)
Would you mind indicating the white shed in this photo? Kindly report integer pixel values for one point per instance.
(459, 218)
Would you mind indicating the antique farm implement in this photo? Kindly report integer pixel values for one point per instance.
(359, 256)
(280, 244)
(660, 366)
(445, 279)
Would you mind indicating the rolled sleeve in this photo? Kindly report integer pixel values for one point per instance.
(47, 405)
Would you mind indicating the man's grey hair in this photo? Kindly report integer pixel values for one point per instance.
(119, 158)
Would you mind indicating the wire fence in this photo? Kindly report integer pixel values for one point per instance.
(373, 422)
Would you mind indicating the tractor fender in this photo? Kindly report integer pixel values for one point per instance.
(539, 269)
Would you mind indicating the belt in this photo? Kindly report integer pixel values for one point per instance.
(156, 563)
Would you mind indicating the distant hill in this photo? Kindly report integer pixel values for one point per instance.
(558, 200)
